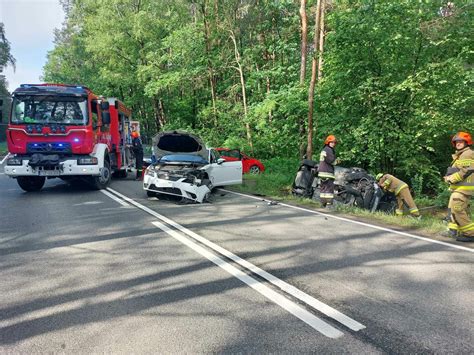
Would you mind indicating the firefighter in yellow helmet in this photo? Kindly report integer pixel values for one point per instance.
(461, 182)
(327, 160)
(401, 191)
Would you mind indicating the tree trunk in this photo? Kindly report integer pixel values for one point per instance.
(162, 112)
(159, 113)
(321, 40)
(270, 115)
(207, 36)
(242, 83)
(314, 70)
(304, 39)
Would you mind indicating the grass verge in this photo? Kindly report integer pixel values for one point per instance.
(276, 183)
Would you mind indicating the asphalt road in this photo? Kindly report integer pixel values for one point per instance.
(91, 272)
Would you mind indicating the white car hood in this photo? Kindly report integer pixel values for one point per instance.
(178, 142)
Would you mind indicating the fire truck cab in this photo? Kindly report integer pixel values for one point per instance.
(66, 131)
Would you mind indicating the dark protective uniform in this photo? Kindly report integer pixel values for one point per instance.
(137, 149)
(327, 160)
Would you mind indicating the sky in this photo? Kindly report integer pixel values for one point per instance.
(29, 27)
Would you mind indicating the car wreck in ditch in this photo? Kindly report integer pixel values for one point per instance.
(182, 166)
(352, 187)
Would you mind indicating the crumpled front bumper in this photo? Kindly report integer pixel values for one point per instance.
(176, 188)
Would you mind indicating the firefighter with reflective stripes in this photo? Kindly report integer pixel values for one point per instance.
(401, 191)
(327, 160)
(461, 182)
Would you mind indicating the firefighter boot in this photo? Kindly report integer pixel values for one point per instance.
(464, 238)
(330, 207)
(450, 233)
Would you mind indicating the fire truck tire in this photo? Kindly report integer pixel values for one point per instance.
(31, 183)
(103, 180)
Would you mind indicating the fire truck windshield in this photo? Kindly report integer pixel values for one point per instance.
(49, 109)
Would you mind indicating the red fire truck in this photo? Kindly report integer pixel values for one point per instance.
(66, 131)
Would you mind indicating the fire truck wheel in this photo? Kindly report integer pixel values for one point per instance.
(103, 180)
(31, 183)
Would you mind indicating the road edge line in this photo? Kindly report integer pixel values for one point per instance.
(385, 229)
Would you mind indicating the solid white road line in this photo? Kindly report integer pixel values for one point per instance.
(115, 198)
(356, 222)
(299, 312)
(284, 286)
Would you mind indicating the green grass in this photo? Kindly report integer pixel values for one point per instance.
(275, 183)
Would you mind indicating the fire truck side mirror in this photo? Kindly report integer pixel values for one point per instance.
(104, 105)
(105, 117)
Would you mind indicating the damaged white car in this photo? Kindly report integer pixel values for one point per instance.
(182, 166)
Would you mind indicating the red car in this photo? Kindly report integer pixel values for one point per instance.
(249, 165)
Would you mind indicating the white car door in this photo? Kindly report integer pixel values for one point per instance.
(225, 173)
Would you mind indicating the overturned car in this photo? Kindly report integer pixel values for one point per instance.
(352, 187)
(182, 166)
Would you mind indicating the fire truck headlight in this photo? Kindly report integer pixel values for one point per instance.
(87, 161)
(14, 161)
(76, 140)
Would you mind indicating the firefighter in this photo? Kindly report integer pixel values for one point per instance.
(327, 160)
(401, 191)
(137, 149)
(461, 182)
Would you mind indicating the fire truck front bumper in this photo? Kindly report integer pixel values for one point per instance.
(17, 166)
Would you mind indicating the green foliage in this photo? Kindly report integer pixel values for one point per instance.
(397, 78)
(275, 181)
(392, 91)
(6, 57)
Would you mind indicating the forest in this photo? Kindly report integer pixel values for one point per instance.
(392, 79)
